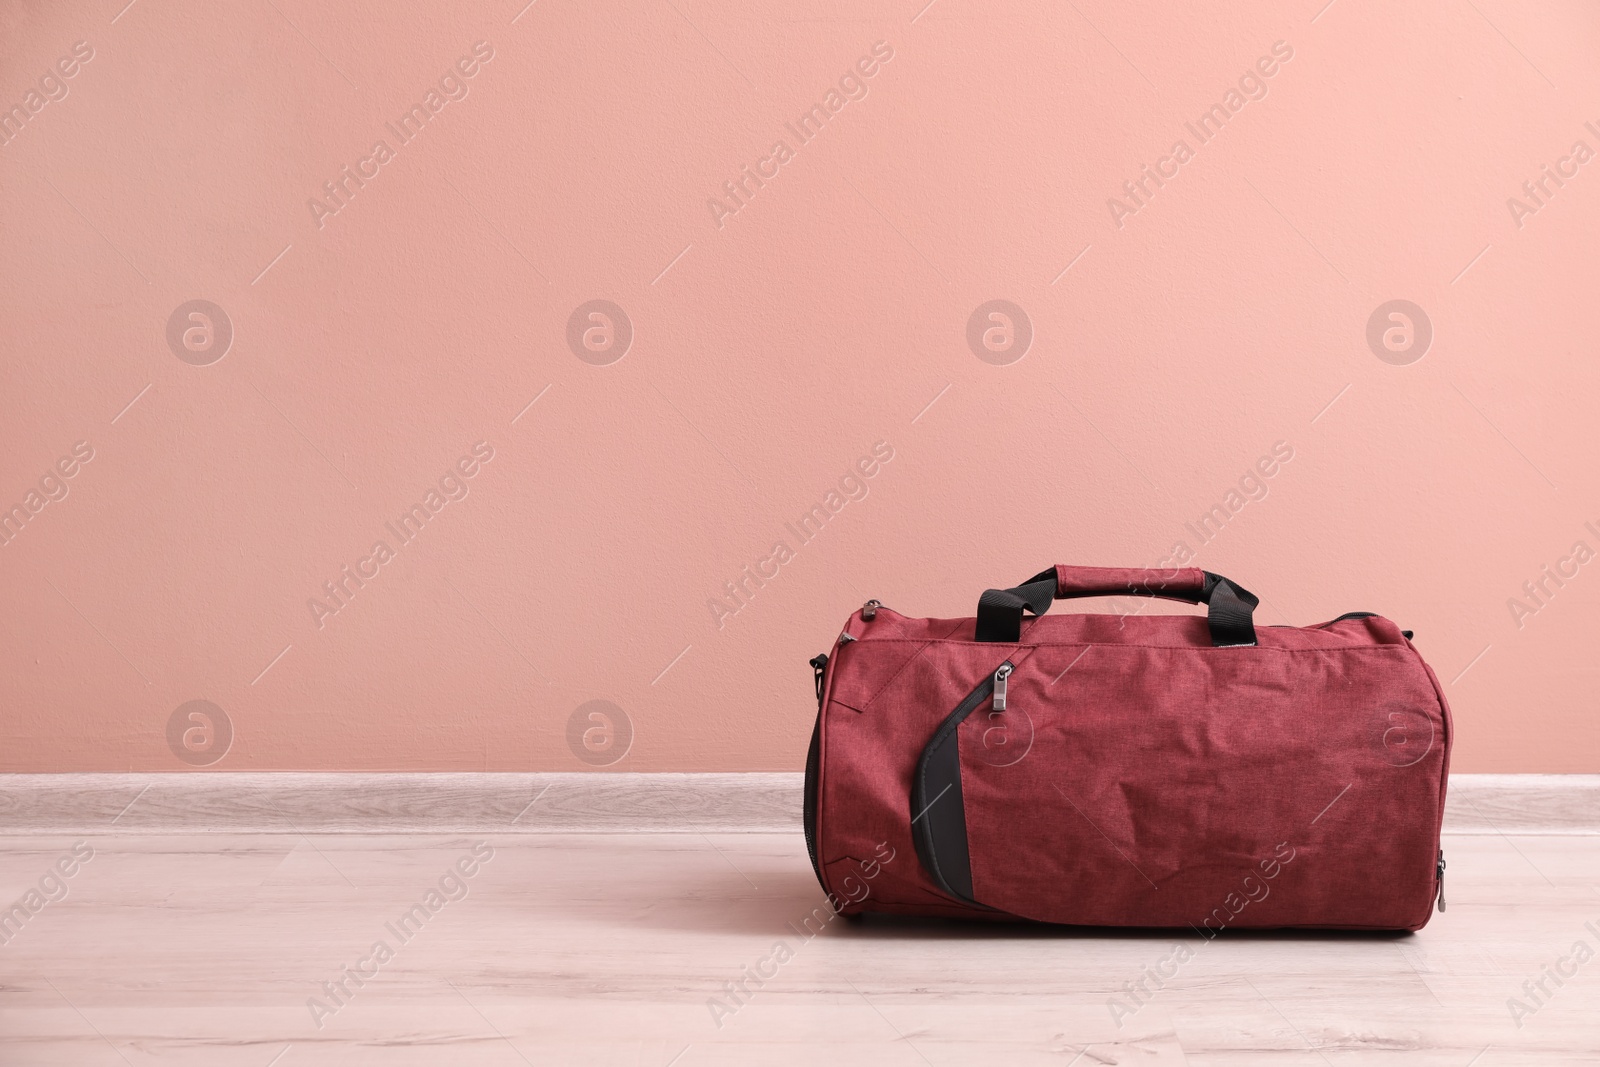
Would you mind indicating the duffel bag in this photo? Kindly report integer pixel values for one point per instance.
(1129, 769)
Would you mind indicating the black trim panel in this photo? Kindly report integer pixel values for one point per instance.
(938, 811)
(808, 813)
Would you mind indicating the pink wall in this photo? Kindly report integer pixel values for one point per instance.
(1175, 335)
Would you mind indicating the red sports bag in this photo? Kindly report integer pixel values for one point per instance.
(1129, 770)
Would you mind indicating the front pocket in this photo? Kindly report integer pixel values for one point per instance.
(938, 812)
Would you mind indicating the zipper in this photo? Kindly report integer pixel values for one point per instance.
(1361, 615)
(869, 610)
(967, 706)
(1439, 873)
(1000, 675)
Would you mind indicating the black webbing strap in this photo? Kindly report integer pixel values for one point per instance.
(1230, 612)
(1000, 610)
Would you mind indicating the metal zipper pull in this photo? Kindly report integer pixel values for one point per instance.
(1000, 677)
(1441, 879)
(869, 610)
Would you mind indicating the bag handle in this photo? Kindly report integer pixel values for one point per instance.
(1229, 607)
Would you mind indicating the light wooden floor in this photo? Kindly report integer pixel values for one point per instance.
(605, 949)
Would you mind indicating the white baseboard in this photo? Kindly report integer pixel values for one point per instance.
(298, 802)
(1523, 804)
(293, 802)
